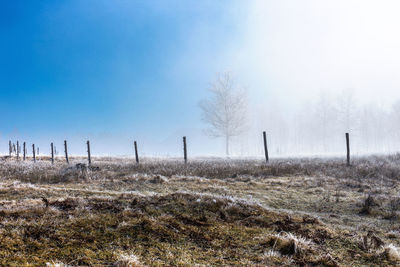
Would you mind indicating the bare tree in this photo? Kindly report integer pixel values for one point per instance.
(226, 110)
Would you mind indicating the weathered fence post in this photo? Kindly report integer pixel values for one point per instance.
(66, 151)
(17, 150)
(265, 147)
(348, 148)
(52, 153)
(88, 151)
(136, 153)
(9, 147)
(184, 149)
(33, 152)
(24, 150)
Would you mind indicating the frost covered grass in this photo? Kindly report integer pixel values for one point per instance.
(162, 212)
(382, 167)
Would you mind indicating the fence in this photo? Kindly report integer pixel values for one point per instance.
(16, 149)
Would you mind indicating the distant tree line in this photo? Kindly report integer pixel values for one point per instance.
(318, 127)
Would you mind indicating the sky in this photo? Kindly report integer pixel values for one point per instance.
(118, 71)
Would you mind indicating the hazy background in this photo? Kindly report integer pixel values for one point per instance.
(118, 71)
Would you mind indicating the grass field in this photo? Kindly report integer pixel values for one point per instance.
(316, 212)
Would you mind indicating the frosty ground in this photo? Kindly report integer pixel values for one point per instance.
(208, 212)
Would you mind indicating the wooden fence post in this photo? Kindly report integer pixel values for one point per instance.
(348, 148)
(66, 151)
(52, 153)
(88, 151)
(17, 150)
(136, 153)
(184, 149)
(265, 147)
(24, 150)
(33, 152)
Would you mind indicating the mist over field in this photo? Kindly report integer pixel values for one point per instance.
(199, 133)
(311, 70)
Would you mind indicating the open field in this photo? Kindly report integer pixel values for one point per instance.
(209, 212)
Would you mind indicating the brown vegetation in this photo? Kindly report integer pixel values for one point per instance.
(207, 212)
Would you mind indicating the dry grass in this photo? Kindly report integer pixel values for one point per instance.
(291, 212)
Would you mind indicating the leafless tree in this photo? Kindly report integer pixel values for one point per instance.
(225, 111)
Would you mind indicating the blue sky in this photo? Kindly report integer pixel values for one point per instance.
(115, 71)
(76, 69)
